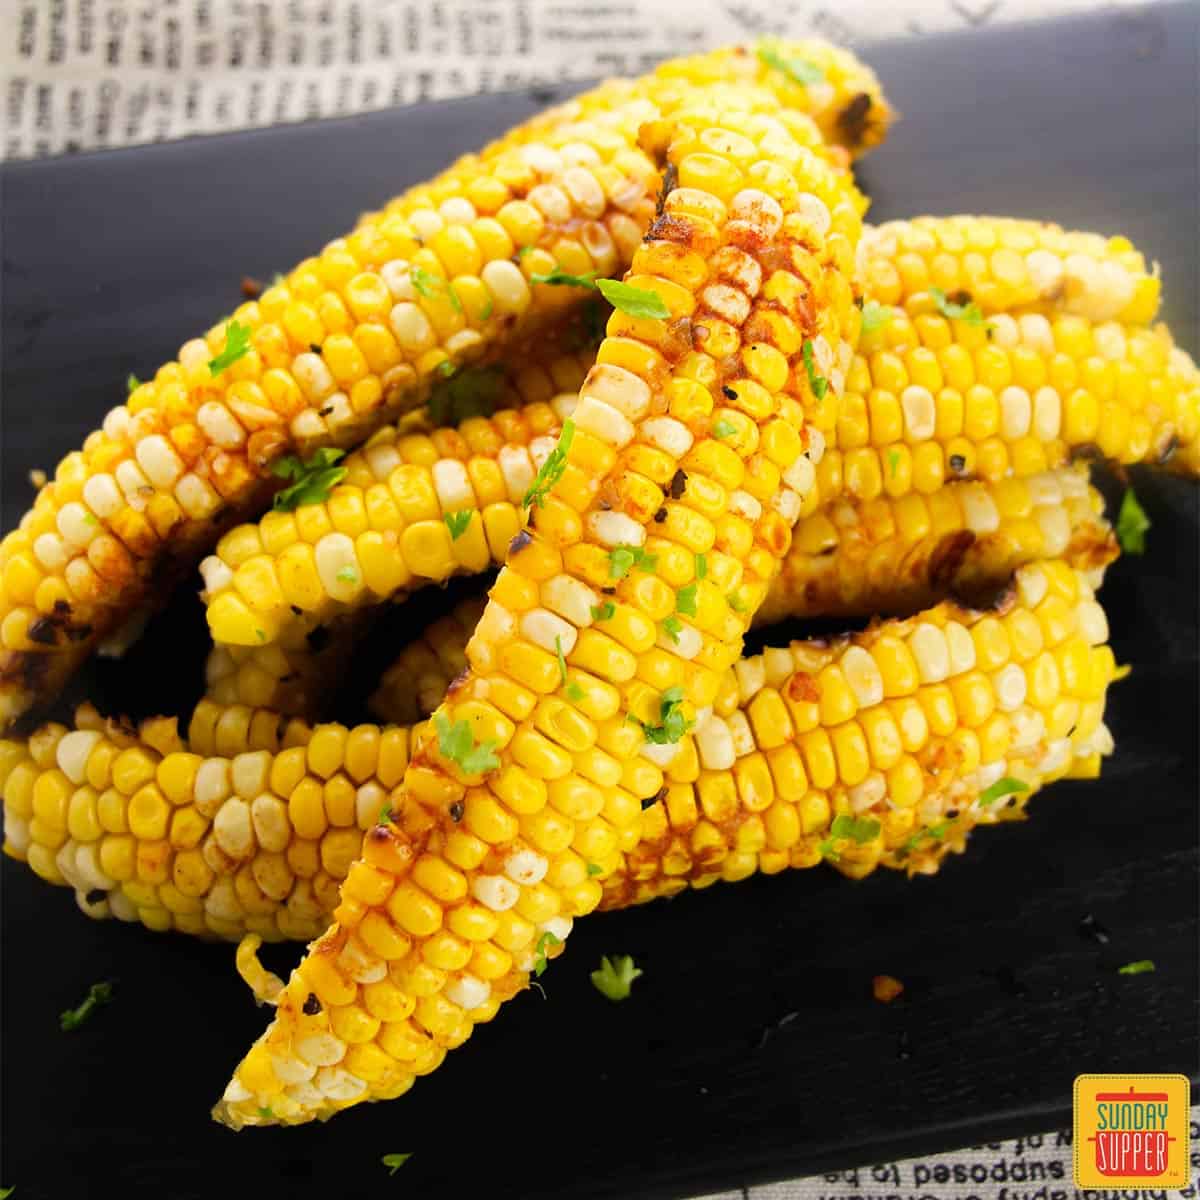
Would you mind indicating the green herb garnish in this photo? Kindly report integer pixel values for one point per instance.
(672, 627)
(818, 383)
(237, 343)
(968, 312)
(575, 692)
(1132, 524)
(98, 994)
(1143, 966)
(385, 813)
(603, 612)
(347, 575)
(672, 724)
(457, 744)
(431, 286)
(552, 469)
(457, 522)
(562, 662)
(539, 962)
(132, 383)
(893, 461)
(593, 869)
(798, 70)
(701, 566)
(615, 976)
(636, 302)
(462, 392)
(722, 428)
(6, 1192)
(735, 602)
(937, 832)
(311, 482)
(560, 278)
(395, 1161)
(875, 316)
(858, 830)
(1002, 787)
(685, 600)
(266, 1113)
(622, 558)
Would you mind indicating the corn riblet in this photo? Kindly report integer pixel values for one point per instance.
(443, 276)
(535, 768)
(1007, 265)
(935, 738)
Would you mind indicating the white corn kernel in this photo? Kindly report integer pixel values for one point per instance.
(548, 630)
(961, 648)
(743, 504)
(73, 751)
(814, 210)
(102, 496)
(628, 393)
(426, 223)
(197, 499)
(927, 644)
(1090, 619)
(212, 785)
(526, 866)
(338, 567)
(508, 287)
(1037, 334)
(980, 514)
(321, 1049)
(1016, 412)
(271, 825)
(457, 210)
(714, 744)
(76, 524)
(603, 421)
(750, 674)
(249, 773)
(288, 1070)
(518, 470)
(397, 275)
(219, 425)
(740, 731)
(686, 642)
(570, 598)
(452, 485)
(216, 575)
(1046, 271)
(313, 376)
(729, 303)
(615, 529)
(667, 434)
(360, 964)
(49, 550)
(1005, 331)
(758, 209)
(867, 794)
(863, 676)
(662, 755)
(467, 991)
(495, 892)
(787, 504)
(1010, 687)
(801, 475)
(920, 413)
(233, 828)
(1032, 585)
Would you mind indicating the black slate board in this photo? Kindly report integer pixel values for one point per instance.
(111, 259)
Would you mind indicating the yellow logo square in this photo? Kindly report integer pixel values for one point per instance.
(1131, 1131)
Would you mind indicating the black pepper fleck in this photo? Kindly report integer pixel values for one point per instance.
(314, 347)
(677, 484)
(456, 811)
(660, 516)
(958, 464)
(312, 1005)
(728, 392)
(651, 801)
(95, 896)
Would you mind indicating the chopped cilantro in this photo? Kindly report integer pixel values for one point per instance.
(432, 286)
(937, 832)
(132, 383)
(237, 343)
(539, 961)
(672, 724)
(462, 392)
(562, 662)
(456, 744)
(1132, 524)
(615, 976)
(735, 602)
(593, 869)
(445, 368)
(637, 302)
(311, 482)
(1002, 787)
(968, 312)
(701, 566)
(575, 692)
(622, 558)
(385, 813)
(1143, 966)
(818, 383)
(6, 1192)
(552, 469)
(893, 461)
(685, 599)
(457, 522)
(857, 830)
(395, 1161)
(98, 993)
(487, 310)
(559, 278)
(722, 428)
(347, 575)
(798, 70)
(266, 1113)
(672, 627)
(603, 612)
(875, 316)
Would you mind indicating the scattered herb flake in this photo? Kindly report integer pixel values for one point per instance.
(603, 612)
(6, 1192)
(798, 70)
(818, 383)
(701, 566)
(735, 602)
(457, 522)
(593, 869)
(385, 813)
(672, 627)
(722, 429)
(395, 1161)
(636, 302)
(1132, 524)
(615, 976)
(347, 575)
(856, 829)
(458, 746)
(426, 283)
(685, 600)
(486, 311)
(562, 662)
(266, 1113)
(445, 368)
(575, 692)
(237, 344)
(937, 832)
(539, 961)
(132, 383)
(955, 311)
(1143, 966)
(73, 1018)
(893, 461)
(1002, 787)
(560, 278)
(552, 469)
(311, 482)
(672, 724)
(875, 316)
(621, 559)
(462, 392)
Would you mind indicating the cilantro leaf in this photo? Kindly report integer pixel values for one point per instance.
(798, 70)
(615, 976)
(1132, 524)
(818, 383)
(876, 316)
(266, 1113)
(6, 1192)
(462, 392)
(458, 746)
(562, 662)
(845, 827)
(722, 428)
(603, 612)
(385, 813)
(560, 278)
(621, 559)
(395, 1161)
(593, 869)
(701, 566)
(672, 724)
(457, 522)
(552, 469)
(132, 383)
(893, 461)
(1143, 966)
(432, 286)
(637, 302)
(312, 481)
(955, 311)
(540, 961)
(672, 627)
(575, 692)
(1002, 787)
(685, 599)
(237, 343)
(347, 575)
(73, 1018)
(735, 602)
(937, 832)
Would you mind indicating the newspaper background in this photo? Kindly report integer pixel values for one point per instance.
(92, 74)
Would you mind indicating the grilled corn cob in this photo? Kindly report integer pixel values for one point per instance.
(266, 815)
(1006, 265)
(535, 763)
(347, 339)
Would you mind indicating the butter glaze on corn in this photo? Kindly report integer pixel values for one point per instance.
(349, 338)
(755, 249)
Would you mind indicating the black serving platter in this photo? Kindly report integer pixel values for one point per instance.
(110, 260)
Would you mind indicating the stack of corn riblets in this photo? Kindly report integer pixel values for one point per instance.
(787, 416)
